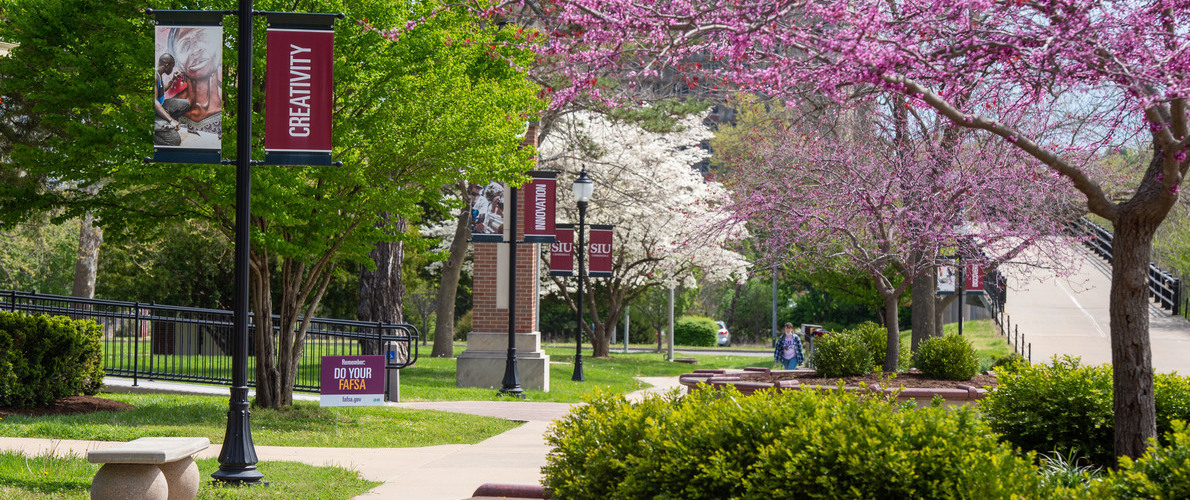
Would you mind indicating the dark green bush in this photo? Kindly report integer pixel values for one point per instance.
(793, 444)
(695, 331)
(874, 338)
(951, 358)
(1162, 473)
(1007, 362)
(44, 358)
(842, 354)
(1062, 407)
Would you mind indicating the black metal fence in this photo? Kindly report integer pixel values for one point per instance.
(1163, 286)
(188, 344)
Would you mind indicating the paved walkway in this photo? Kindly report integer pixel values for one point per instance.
(447, 472)
(1069, 315)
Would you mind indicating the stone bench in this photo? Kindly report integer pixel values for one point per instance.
(148, 468)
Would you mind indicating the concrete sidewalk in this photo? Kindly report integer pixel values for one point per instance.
(447, 472)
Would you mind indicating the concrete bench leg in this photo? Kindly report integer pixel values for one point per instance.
(182, 478)
(128, 482)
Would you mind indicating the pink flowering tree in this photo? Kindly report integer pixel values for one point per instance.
(856, 201)
(1120, 69)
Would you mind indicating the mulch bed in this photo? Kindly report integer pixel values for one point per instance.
(906, 379)
(68, 406)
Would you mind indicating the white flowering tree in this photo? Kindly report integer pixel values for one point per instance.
(668, 219)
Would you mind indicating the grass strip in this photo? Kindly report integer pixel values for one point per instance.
(305, 424)
(50, 477)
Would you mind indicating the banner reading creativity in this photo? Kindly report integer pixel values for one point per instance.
(188, 87)
(299, 78)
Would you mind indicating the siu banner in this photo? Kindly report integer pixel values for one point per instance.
(600, 250)
(562, 251)
(299, 80)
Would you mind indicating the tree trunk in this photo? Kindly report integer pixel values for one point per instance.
(893, 348)
(1132, 363)
(448, 288)
(382, 292)
(940, 305)
(922, 313)
(600, 336)
(86, 267)
(268, 381)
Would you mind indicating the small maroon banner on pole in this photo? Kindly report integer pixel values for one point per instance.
(600, 250)
(299, 76)
(540, 200)
(973, 277)
(562, 251)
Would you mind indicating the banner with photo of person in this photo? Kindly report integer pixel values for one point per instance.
(188, 87)
(600, 251)
(540, 198)
(299, 80)
(487, 211)
(562, 251)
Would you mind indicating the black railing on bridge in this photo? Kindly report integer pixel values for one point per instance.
(1163, 286)
(188, 344)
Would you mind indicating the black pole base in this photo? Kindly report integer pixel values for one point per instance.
(237, 459)
(511, 386)
(578, 370)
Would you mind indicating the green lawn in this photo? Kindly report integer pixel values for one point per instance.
(57, 478)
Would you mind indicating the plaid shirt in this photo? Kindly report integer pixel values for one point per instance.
(779, 348)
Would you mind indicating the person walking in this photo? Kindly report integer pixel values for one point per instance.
(787, 351)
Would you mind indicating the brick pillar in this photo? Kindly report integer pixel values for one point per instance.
(482, 363)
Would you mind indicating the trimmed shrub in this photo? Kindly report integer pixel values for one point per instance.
(1007, 362)
(1162, 473)
(874, 338)
(950, 358)
(806, 444)
(1062, 407)
(45, 358)
(695, 331)
(842, 354)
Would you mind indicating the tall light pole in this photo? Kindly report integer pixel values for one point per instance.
(237, 459)
(583, 187)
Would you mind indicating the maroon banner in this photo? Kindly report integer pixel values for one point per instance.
(973, 277)
(600, 251)
(299, 80)
(562, 251)
(540, 200)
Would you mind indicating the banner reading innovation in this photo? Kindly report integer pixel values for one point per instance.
(299, 78)
(352, 381)
(540, 200)
(188, 87)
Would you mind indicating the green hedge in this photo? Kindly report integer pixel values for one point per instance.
(1064, 406)
(842, 354)
(875, 339)
(793, 444)
(950, 358)
(45, 358)
(695, 331)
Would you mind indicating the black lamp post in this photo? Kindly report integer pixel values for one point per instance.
(237, 459)
(511, 385)
(583, 188)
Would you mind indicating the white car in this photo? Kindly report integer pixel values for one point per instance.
(724, 337)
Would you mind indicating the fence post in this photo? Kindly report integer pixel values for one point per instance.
(136, 346)
(1030, 353)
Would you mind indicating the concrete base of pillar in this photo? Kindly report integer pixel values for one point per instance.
(484, 361)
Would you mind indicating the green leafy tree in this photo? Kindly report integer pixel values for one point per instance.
(440, 104)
